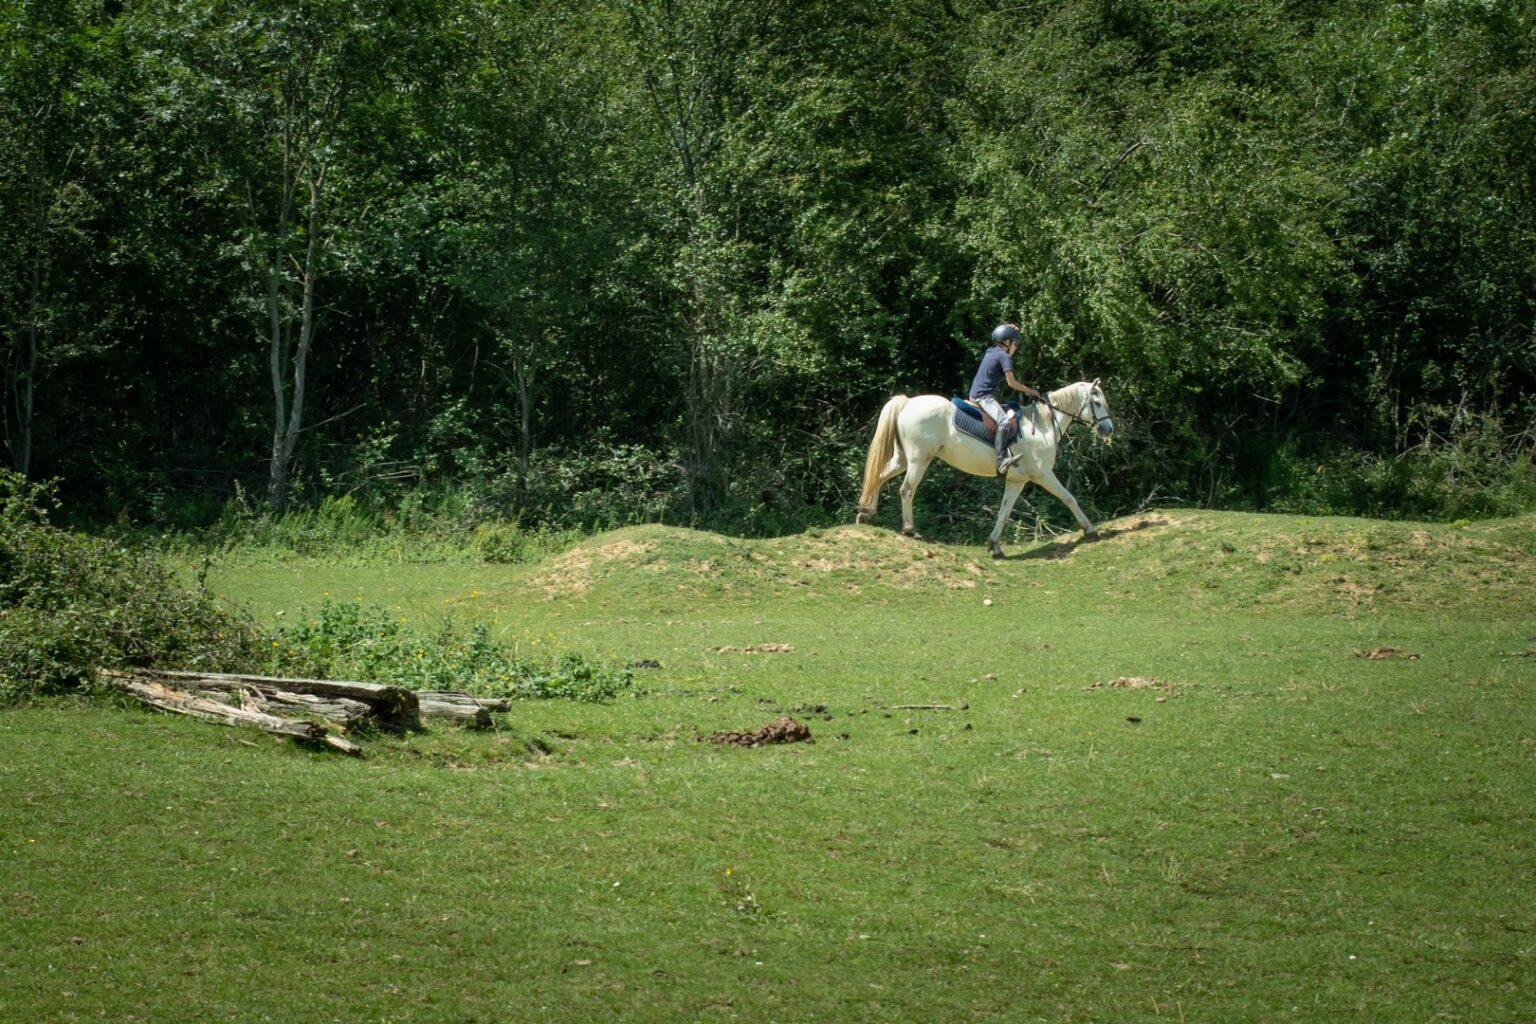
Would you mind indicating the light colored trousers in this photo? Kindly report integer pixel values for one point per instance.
(993, 408)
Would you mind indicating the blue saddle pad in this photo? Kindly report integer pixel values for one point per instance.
(968, 421)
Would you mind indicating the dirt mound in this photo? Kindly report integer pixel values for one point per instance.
(780, 730)
(572, 574)
(870, 555)
(848, 558)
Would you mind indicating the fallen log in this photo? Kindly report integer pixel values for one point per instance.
(471, 716)
(460, 697)
(168, 698)
(344, 711)
(392, 707)
(340, 711)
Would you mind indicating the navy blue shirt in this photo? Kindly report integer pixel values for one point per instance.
(995, 367)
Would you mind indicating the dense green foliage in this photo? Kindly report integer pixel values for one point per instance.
(70, 604)
(353, 640)
(664, 259)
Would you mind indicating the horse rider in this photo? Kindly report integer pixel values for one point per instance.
(997, 367)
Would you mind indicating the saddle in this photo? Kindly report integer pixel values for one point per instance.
(972, 420)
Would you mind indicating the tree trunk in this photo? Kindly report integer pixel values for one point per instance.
(24, 389)
(392, 706)
(277, 469)
(523, 374)
(286, 430)
(708, 407)
(21, 452)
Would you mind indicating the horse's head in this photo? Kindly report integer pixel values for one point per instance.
(1096, 409)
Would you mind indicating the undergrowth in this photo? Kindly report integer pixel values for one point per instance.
(414, 527)
(354, 640)
(70, 604)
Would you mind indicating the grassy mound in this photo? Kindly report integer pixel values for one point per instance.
(1224, 557)
(1311, 562)
(673, 558)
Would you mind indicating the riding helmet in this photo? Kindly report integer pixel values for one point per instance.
(1005, 333)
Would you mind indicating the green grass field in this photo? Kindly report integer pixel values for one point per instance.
(1278, 830)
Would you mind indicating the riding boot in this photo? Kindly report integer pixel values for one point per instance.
(1004, 460)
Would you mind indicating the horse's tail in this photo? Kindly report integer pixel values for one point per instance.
(881, 450)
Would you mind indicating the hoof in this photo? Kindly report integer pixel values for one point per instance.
(912, 533)
(997, 554)
(861, 518)
(1090, 535)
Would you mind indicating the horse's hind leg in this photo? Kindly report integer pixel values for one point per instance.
(1011, 491)
(916, 467)
(889, 472)
(1049, 482)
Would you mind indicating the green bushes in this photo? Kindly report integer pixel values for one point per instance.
(70, 604)
(354, 640)
(425, 525)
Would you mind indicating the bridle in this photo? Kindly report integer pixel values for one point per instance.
(1096, 423)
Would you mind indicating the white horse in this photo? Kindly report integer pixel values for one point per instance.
(912, 432)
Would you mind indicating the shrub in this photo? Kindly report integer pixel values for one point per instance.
(361, 641)
(71, 604)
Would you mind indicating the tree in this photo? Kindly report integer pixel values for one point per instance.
(527, 205)
(45, 201)
(689, 57)
(280, 97)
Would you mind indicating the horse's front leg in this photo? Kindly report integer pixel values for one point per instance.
(1049, 482)
(916, 467)
(1011, 491)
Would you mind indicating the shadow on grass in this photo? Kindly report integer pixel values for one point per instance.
(1063, 548)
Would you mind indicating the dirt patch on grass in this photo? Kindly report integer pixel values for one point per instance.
(1134, 683)
(1386, 653)
(875, 556)
(573, 573)
(757, 649)
(780, 730)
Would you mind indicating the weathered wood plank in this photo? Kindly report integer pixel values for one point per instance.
(392, 706)
(176, 701)
(470, 716)
(460, 697)
(342, 711)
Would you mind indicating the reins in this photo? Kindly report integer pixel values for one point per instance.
(1076, 417)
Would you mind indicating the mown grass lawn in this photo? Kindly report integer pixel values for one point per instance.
(1280, 831)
